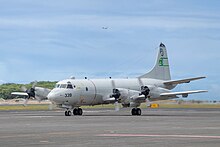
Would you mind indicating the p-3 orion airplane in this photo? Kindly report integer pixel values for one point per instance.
(152, 86)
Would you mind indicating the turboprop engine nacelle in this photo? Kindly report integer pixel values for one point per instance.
(126, 94)
(156, 91)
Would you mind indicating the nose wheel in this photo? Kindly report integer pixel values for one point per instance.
(68, 113)
(136, 111)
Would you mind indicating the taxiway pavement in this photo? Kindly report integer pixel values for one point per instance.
(105, 127)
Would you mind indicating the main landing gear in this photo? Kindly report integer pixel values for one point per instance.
(76, 111)
(136, 111)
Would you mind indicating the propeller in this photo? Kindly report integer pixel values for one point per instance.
(145, 91)
(116, 94)
(51, 106)
(30, 92)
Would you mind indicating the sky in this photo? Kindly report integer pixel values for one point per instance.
(53, 40)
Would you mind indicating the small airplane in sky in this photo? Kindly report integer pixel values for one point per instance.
(155, 85)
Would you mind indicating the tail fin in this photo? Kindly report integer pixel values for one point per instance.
(161, 69)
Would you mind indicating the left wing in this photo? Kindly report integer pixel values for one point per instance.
(183, 93)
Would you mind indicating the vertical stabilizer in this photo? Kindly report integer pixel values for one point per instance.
(161, 69)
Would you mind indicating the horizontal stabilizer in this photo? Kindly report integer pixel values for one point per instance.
(19, 93)
(183, 93)
(175, 82)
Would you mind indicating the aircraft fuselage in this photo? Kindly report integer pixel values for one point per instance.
(97, 91)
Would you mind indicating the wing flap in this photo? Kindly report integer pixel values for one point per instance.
(174, 82)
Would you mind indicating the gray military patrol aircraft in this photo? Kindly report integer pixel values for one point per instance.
(152, 86)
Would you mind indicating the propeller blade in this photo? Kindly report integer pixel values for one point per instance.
(148, 103)
(23, 88)
(51, 106)
(117, 107)
(113, 84)
(25, 102)
(38, 99)
(140, 82)
(34, 84)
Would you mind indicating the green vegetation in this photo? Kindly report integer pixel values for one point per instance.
(21, 107)
(8, 88)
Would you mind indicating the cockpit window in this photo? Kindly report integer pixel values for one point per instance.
(67, 86)
(63, 85)
(57, 86)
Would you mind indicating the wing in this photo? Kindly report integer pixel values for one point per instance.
(175, 82)
(19, 93)
(183, 93)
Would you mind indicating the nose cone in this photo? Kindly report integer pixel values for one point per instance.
(55, 96)
(51, 96)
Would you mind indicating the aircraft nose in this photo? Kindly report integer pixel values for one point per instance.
(51, 96)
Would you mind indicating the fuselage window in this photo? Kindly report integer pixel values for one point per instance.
(87, 89)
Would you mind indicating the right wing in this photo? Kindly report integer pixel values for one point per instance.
(183, 93)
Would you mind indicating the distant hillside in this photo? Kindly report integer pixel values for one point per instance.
(6, 89)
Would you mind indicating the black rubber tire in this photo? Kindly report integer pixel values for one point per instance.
(66, 114)
(133, 111)
(75, 111)
(138, 111)
(80, 111)
(69, 113)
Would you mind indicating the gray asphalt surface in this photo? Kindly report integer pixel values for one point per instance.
(155, 128)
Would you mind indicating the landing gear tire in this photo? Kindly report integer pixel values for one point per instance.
(75, 111)
(78, 111)
(68, 113)
(136, 111)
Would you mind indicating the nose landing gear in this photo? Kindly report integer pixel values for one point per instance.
(68, 113)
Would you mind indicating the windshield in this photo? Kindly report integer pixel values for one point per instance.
(63, 85)
(57, 85)
(67, 86)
